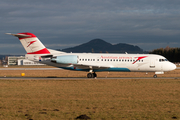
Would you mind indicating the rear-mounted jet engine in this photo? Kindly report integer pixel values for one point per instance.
(65, 59)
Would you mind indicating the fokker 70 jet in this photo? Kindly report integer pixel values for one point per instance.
(93, 62)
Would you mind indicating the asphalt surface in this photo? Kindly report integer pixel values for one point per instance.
(58, 78)
(38, 68)
(30, 69)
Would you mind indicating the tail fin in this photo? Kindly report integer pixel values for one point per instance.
(31, 43)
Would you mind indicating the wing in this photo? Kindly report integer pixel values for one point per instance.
(90, 67)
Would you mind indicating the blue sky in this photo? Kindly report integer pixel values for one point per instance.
(59, 24)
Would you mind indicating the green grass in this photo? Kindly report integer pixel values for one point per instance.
(99, 99)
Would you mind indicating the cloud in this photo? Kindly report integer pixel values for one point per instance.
(10, 45)
(76, 21)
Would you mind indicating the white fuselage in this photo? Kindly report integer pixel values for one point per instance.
(112, 62)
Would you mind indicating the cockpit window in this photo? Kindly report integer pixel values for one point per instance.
(162, 60)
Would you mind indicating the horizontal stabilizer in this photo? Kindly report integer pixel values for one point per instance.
(19, 35)
(47, 56)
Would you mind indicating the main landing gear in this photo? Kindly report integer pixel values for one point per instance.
(91, 75)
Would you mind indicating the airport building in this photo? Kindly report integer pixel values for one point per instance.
(27, 62)
(20, 60)
(13, 60)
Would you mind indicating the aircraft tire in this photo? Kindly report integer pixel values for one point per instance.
(90, 75)
(155, 76)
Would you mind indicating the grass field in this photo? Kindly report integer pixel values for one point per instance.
(105, 99)
(99, 99)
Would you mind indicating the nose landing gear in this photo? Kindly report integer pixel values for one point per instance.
(155, 76)
(91, 75)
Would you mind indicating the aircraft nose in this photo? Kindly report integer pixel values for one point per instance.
(172, 66)
(169, 66)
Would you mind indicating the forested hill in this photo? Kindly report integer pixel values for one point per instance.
(172, 54)
(101, 46)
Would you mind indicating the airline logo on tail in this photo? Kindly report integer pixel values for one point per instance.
(31, 43)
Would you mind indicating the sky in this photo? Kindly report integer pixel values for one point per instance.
(59, 24)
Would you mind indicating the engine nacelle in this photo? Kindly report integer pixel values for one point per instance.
(65, 59)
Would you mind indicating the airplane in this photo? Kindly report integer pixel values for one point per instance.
(93, 62)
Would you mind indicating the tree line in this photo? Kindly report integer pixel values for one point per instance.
(172, 54)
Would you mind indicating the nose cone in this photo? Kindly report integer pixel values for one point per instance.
(168, 66)
(174, 67)
(171, 66)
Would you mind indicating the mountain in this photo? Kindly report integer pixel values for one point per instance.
(99, 45)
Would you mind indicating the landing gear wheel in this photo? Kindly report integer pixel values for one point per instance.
(90, 75)
(155, 76)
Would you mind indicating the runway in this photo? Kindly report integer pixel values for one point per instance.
(38, 68)
(59, 78)
(30, 69)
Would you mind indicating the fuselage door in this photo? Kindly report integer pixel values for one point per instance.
(152, 63)
(77, 59)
